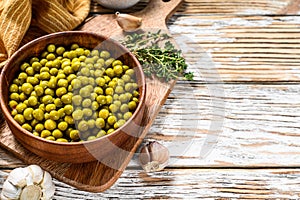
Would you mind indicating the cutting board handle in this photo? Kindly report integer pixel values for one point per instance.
(157, 12)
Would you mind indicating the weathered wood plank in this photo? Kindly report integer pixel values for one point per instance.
(243, 48)
(260, 126)
(194, 183)
(204, 7)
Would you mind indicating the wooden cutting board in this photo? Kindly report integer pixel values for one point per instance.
(97, 176)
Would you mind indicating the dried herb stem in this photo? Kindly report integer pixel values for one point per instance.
(165, 62)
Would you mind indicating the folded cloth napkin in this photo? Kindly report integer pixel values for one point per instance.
(23, 20)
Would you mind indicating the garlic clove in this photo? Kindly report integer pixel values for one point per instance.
(2, 197)
(10, 191)
(48, 188)
(128, 23)
(31, 192)
(18, 177)
(36, 173)
(154, 157)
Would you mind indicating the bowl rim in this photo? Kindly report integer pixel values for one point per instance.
(6, 111)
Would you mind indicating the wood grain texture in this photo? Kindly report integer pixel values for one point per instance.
(242, 48)
(228, 7)
(260, 127)
(225, 184)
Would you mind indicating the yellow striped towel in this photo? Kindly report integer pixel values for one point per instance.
(24, 20)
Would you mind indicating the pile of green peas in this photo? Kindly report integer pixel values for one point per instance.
(70, 94)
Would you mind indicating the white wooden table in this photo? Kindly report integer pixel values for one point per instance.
(234, 132)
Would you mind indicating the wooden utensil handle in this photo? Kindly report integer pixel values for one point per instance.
(157, 12)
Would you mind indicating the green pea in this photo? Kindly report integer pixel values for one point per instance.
(69, 119)
(77, 114)
(32, 101)
(51, 48)
(27, 88)
(91, 138)
(19, 118)
(62, 126)
(38, 114)
(61, 140)
(74, 135)
(51, 56)
(109, 99)
(52, 138)
(111, 120)
(50, 107)
(36, 66)
(45, 75)
(109, 91)
(58, 103)
(124, 108)
(76, 100)
(86, 103)
(29, 71)
(87, 112)
(52, 82)
(117, 62)
(68, 70)
(113, 108)
(62, 83)
(112, 84)
(91, 123)
(110, 131)
(27, 127)
(50, 124)
(126, 78)
(61, 91)
(53, 71)
(45, 133)
(24, 66)
(14, 112)
(39, 90)
(110, 72)
(74, 46)
(49, 91)
(68, 109)
(100, 123)
(54, 115)
(42, 107)
(71, 77)
(32, 80)
(60, 75)
(103, 113)
(14, 88)
(119, 123)
(119, 89)
(21, 107)
(130, 72)
(127, 115)
(85, 71)
(95, 105)
(12, 104)
(39, 127)
(132, 105)
(60, 50)
(83, 126)
(66, 99)
(118, 70)
(28, 114)
(101, 133)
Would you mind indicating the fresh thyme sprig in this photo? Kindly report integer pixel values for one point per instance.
(164, 62)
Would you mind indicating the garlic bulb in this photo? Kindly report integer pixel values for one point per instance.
(154, 157)
(29, 183)
(128, 23)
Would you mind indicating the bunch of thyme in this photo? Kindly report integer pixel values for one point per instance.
(165, 62)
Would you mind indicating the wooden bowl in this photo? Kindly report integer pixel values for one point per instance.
(73, 152)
